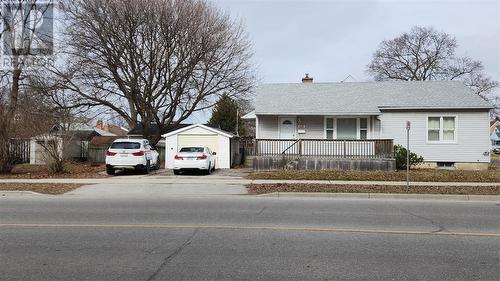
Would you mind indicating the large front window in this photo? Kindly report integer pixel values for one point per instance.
(441, 129)
(346, 128)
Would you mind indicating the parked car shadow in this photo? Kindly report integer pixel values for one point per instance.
(129, 172)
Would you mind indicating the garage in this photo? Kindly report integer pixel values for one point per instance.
(221, 142)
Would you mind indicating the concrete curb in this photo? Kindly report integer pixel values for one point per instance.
(392, 183)
(21, 193)
(451, 197)
(232, 180)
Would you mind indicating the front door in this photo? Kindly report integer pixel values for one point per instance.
(347, 128)
(287, 128)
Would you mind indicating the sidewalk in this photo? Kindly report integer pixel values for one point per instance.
(145, 179)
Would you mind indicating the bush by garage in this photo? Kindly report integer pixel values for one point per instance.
(223, 143)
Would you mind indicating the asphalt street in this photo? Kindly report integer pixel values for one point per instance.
(247, 238)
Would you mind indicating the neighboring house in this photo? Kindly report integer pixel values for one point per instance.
(223, 143)
(72, 143)
(495, 132)
(362, 121)
(115, 130)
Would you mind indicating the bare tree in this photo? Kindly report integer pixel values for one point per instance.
(153, 61)
(21, 21)
(425, 54)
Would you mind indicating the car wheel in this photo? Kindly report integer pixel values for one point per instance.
(209, 169)
(147, 169)
(158, 164)
(177, 172)
(110, 171)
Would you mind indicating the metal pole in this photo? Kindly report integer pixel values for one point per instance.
(237, 122)
(407, 158)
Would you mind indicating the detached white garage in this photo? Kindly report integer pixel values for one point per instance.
(200, 135)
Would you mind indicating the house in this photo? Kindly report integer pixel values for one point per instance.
(72, 142)
(224, 144)
(355, 125)
(110, 128)
(495, 132)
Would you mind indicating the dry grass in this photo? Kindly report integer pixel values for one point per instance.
(422, 175)
(330, 188)
(72, 170)
(45, 188)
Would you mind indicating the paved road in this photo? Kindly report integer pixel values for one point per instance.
(247, 238)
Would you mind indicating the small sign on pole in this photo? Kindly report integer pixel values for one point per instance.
(408, 127)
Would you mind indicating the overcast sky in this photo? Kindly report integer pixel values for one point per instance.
(332, 39)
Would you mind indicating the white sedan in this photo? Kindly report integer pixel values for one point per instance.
(194, 158)
(136, 154)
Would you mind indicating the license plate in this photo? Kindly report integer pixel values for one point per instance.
(123, 155)
(190, 158)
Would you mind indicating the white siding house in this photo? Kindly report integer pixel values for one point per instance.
(470, 143)
(449, 123)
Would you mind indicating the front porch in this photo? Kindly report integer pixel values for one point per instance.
(321, 154)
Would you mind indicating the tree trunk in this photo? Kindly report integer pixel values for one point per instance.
(6, 164)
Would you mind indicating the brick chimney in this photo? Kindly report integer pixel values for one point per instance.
(99, 125)
(307, 79)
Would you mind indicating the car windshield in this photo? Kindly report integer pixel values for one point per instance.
(126, 145)
(192, 149)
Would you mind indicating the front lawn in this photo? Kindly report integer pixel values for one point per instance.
(45, 188)
(73, 170)
(422, 175)
(336, 188)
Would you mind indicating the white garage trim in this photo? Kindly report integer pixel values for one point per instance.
(198, 134)
(219, 132)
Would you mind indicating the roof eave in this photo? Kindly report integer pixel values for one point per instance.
(409, 108)
(316, 113)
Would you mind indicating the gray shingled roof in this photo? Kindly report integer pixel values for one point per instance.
(364, 98)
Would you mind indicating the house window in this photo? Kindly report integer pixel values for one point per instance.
(441, 129)
(446, 165)
(363, 128)
(329, 128)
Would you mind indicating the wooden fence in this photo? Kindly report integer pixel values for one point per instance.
(20, 150)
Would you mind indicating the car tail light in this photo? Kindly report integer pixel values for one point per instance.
(140, 153)
(177, 157)
(109, 153)
(203, 157)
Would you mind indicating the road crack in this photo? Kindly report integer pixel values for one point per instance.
(440, 227)
(261, 211)
(173, 255)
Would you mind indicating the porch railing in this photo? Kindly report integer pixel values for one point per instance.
(379, 148)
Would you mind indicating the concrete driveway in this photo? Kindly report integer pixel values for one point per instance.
(119, 190)
(164, 183)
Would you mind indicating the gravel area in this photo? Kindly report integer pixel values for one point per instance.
(420, 175)
(331, 188)
(45, 188)
(75, 170)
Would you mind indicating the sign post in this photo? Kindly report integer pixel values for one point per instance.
(408, 127)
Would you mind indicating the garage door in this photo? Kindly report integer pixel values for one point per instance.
(211, 141)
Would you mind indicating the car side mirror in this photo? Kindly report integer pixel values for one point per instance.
(214, 153)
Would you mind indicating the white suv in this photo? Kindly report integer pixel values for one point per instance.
(136, 154)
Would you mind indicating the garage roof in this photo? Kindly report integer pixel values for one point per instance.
(217, 131)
